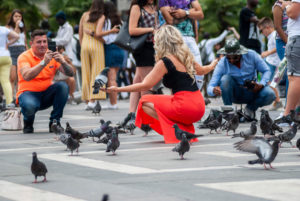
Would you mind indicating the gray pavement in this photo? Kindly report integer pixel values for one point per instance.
(144, 168)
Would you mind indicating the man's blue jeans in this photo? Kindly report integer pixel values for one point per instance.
(56, 95)
(232, 92)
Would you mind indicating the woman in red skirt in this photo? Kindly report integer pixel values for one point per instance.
(176, 67)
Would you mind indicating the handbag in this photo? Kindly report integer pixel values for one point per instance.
(127, 42)
(12, 120)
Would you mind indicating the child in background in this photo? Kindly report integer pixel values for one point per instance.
(266, 27)
(61, 77)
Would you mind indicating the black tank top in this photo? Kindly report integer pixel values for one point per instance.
(176, 80)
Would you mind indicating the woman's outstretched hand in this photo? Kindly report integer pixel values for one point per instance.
(110, 89)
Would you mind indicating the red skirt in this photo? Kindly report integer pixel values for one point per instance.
(183, 108)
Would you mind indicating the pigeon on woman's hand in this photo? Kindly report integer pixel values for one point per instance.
(100, 80)
(38, 168)
(182, 147)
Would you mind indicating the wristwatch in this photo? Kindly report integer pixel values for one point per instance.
(187, 13)
(42, 63)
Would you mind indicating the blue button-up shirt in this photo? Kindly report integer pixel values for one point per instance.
(250, 64)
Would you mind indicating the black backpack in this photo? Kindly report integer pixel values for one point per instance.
(78, 48)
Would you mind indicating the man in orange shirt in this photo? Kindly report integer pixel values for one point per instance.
(36, 69)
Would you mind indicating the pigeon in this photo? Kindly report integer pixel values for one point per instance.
(114, 143)
(72, 144)
(182, 147)
(100, 80)
(215, 124)
(288, 135)
(179, 133)
(212, 116)
(56, 127)
(105, 139)
(38, 168)
(146, 128)
(298, 143)
(97, 108)
(247, 133)
(232, 124)
(98, 132)
(105, 197)
(74, 133)
(265, 122)
(261, 147)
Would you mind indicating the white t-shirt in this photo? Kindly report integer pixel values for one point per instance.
(110, 38)
(20, 41)
(64, 37)
(3, 39)
(272, 59)
(293, 26)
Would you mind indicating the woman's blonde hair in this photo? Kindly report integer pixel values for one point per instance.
(168, 41)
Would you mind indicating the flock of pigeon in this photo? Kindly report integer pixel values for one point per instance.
(226, 121)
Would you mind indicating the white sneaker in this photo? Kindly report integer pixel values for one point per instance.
(110, 107)
(90, 106)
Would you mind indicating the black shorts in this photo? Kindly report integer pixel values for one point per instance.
(145, 56)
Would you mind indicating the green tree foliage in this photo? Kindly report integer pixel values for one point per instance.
(73, 9)
(219, 14)
(32, 15)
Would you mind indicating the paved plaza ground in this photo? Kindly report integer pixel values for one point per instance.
(144, 168)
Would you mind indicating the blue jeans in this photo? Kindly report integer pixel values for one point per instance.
(232, 92)
(31, 102)
(280, 49)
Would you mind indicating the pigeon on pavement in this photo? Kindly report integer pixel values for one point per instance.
(298, 143)
(261, 147)
(247, 133)
(114, 143)
(98, 132)
(182, 147)
(232, 124)
(146, 128)
(38, 168)
(97, 108)
(56, 128)
(179, 133)
(288, 135)
(215, 124)
(72, 144)
(74, 133)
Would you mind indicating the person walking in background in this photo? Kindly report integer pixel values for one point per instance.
(292, 53)
(266, 27)
(248, 27)
(110, 25)
(182, 14)
(64, 33)
(5, 61)
(145, 56)
(92, 52)
(280, 22)
(17, 24)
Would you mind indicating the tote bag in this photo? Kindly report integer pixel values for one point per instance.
(127, 42)
(12, 120)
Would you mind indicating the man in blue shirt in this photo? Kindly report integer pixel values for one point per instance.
(234, 78)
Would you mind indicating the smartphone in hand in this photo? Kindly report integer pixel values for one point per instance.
(52, 46)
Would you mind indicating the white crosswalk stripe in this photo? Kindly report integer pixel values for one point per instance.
(281, 189)
(19, 192)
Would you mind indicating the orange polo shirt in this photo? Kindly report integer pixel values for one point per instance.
(42, 81)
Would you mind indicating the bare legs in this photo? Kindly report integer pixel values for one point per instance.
(140, 74)
(13, 78)
(149, 109)
(293, 97)
(112, 75)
